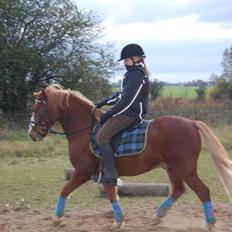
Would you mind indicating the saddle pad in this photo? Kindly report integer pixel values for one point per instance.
(130, 141)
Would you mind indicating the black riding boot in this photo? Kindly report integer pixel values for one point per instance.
(109, 173)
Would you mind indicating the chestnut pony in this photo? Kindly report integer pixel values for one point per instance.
(173, 142)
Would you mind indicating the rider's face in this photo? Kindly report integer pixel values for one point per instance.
(128, 61)
(132, 60)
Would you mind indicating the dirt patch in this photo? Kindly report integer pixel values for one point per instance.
(180, 218)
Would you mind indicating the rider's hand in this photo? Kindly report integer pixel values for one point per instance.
(104, 118)
(97, 114)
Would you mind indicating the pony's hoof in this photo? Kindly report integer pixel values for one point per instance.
(209, 227)
(155, 219)
(117, 226)
(57, 221)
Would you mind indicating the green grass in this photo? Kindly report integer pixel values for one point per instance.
(37, 175)
(8, 135)
(179, 92)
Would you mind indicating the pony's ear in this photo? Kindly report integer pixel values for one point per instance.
(39, 95)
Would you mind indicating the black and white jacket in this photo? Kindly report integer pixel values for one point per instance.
(132, 100)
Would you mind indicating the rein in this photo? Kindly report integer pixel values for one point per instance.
(51, 131)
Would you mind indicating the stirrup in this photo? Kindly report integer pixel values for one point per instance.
(101, 179)
(97, 178)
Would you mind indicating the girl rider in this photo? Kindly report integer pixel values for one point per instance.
(130, 105)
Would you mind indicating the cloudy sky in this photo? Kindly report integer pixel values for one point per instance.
(183, 39)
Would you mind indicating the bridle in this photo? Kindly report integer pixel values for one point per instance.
(46, 130)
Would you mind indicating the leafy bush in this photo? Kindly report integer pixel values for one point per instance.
(222, 90)
(155, 88)
(201, 92)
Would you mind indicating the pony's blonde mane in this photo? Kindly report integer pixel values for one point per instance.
(58, 96)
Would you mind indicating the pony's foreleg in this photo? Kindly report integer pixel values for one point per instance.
(76, 180)
(177, 190)
(112, 194)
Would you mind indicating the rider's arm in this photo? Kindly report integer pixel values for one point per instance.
(128, 96)
(109, 100)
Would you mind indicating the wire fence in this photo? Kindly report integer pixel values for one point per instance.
(15, 121)
(214, 113)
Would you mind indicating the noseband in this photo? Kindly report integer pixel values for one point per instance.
(40, 123)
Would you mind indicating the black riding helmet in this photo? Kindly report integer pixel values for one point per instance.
(131, 50)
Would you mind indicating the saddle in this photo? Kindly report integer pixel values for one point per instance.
(131, 141)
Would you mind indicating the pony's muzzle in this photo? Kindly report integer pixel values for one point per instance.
(35, 136)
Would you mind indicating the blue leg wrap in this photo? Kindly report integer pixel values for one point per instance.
(209, 212)
(117, 211)
(60, 205)
(165, 205)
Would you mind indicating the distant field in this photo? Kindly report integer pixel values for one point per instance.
(179, 91)
(174, 91)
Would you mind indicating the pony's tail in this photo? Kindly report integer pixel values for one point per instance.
(219, 155)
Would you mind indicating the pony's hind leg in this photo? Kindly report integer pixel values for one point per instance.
(203, 192)
(177, 189)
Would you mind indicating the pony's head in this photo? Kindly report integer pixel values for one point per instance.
(43, 115)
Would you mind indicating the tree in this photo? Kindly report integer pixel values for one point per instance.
(214, 78)
(156, 88)
(201, 90)
(46, 40)
(227, 64)
(223, 87)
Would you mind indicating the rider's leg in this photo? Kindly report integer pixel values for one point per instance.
(110, 128)
(110, 170)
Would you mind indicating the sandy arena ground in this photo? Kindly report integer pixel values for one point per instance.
(179, 219)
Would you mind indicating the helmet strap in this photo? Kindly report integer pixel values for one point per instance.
(132, 61)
